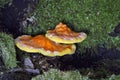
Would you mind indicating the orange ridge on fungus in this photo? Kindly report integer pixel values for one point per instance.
(63, 30)
(43, 42)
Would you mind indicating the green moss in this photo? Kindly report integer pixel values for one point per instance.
(55, 74)
(7, 50)
(95, 17)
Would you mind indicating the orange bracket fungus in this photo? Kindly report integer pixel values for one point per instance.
(43, 45)
(49, 45)
(63, 34)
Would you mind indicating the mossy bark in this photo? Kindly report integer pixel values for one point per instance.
(7, 50)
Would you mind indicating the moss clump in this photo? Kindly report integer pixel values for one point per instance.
(54, 74)
(96, 18)
(7, 50)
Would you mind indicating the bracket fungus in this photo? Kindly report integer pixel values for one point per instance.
(63, 34)
(49, 45)
(43, 45)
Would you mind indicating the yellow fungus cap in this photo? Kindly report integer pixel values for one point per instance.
(43, 45)
(63, 34)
